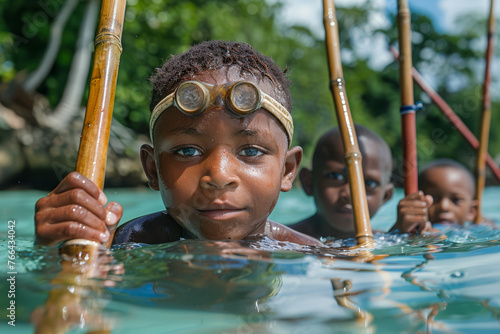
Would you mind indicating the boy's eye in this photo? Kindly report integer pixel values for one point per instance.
(251, 152)
(188, 151)
(336, 176)
(370, 184)
(456, 200)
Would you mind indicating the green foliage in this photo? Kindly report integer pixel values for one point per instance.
(155, 29)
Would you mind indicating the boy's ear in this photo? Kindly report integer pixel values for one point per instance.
(389, 191)
(305, 177)
(149, 166)
(293, 159)
(471, 215)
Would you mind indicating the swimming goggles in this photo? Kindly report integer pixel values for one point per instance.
(241, 98)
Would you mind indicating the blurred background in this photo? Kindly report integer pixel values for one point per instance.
(46, 54)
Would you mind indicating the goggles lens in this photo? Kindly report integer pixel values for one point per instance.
(191, 98)
(244, 97)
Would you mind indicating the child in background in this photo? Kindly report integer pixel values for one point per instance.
(446, 196)
(327, 182)
(221, 130)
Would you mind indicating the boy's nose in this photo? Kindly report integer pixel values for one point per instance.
(219, 170)
(345, 192)
(444, 204)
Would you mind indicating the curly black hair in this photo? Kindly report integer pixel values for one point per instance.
(214, 55)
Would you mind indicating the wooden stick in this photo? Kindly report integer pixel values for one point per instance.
(408, 129)
(452, 116)
(484, 131)
(79, 256)
(95, 134)
(346, 126)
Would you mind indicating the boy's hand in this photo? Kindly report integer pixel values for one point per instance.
(74, 210)
(413, 213)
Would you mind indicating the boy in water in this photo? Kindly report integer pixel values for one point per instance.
(446, 196)
(221, 130)
(327, 182)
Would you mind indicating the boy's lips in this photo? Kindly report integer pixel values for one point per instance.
(220, 211)
(345, 209)
(445, 218)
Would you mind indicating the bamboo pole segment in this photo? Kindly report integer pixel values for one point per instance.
(484, 131)
(408, 129)
(452, 116)
(95, 134)
(352, 153)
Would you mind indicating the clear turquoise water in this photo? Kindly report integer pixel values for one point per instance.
(419, 284)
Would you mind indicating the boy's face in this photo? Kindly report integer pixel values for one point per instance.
(220, 175)
(453, 193)
(331, 190)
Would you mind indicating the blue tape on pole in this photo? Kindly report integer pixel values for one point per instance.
(410, 108)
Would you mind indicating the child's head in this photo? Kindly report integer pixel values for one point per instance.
(218, 164)
(452, 187)
(327, 181)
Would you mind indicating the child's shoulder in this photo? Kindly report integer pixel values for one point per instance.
(282, 232)
(155, 228)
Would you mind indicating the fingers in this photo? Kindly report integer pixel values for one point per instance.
(413, 213)
(76, 197)
(53, 234)
(75, 209)
(75, 180)
(429, 200)
(114, 212)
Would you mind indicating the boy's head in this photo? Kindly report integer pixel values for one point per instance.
(220, 171)
(327, 180)
(452, 187)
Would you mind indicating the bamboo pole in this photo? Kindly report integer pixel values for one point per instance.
(452, 116)
(484, 131)
(95, 133)
(79, 256)
(352, 153)
(408, 129)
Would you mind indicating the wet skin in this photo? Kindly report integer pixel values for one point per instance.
(328, 184)
(452, 192)
(220, 175)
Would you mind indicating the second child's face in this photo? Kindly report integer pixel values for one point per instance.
(220, 175)
(452, 192)
(331, 189)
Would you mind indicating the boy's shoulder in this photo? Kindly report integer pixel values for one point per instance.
(282, 232)
(154, 228)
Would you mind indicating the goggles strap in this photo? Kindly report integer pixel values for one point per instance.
(268, 103)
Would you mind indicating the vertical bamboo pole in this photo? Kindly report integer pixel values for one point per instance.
(346, 126)
(80, 256)
(95, 133)
(452, 116)
(408, 129)
(484, 131)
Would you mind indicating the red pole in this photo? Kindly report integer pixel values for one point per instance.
(408, 128)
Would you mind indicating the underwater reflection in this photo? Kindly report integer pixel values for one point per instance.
(205, 275)
(75, 299)
(403, 283)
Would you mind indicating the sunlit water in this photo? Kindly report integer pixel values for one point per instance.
(447, 283)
